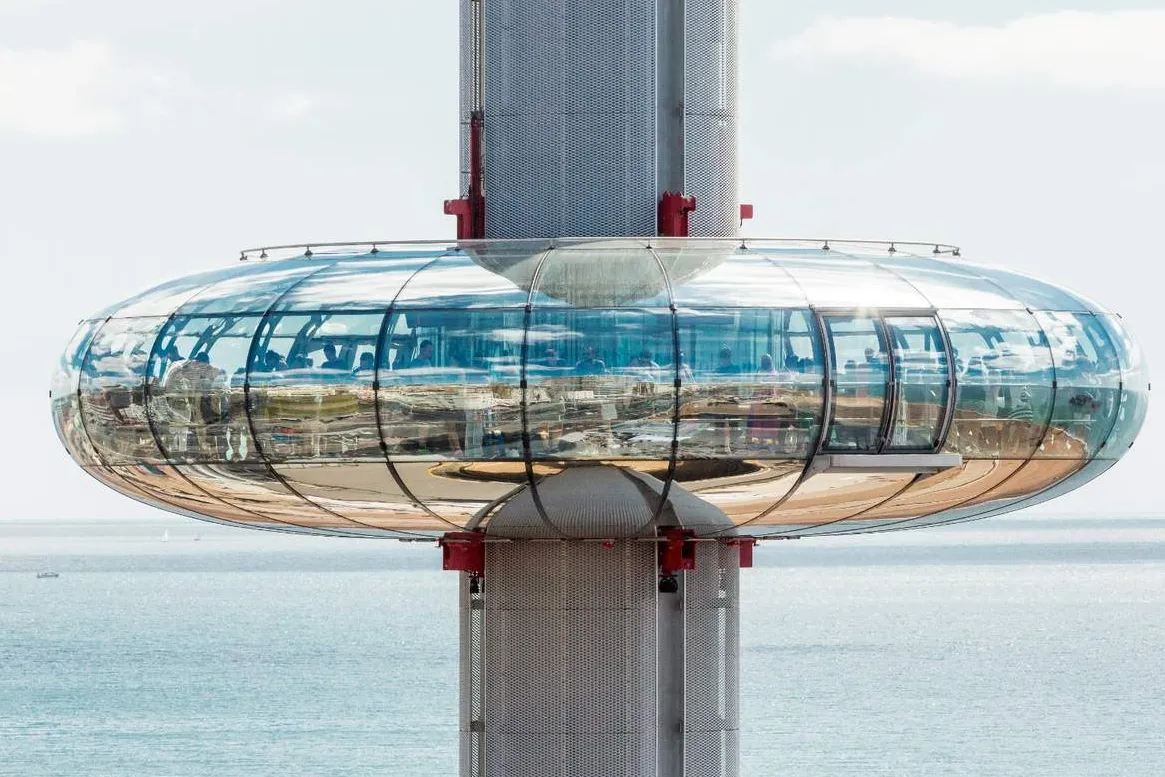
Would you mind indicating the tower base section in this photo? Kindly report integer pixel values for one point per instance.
(582, 658)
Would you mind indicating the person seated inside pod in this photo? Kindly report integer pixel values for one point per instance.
(332, 360)
(590, 364)
(724, 363)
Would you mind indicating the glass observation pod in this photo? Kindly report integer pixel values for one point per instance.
(796, 388)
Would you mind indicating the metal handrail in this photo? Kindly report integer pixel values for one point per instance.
(309, 248)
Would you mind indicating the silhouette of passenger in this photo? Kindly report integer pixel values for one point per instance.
(552, 359)
(424, 355)
(590, 364)
(331, 358)
(367, 364)
(766, 365)
(273, 362)
(725, 365)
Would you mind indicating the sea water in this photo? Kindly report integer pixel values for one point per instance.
(1013, 647)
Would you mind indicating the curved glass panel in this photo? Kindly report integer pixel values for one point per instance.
(945, 490)
(601, 384)
(1084, 475)
(165, 298)
(829, 497)
(311, 394)
(368, 282)
(113, 391)
(750, 383)
(198, 395)
(365, 494)
(1134, 390)
(835, 280)
(861, 381)
(174, 492)
(253, 291)
(742, 279)
(1035, 294)
(65, 402)
(1004, 370)
(254, 489)
(742, 490)
(595, 277)
(1088, 380)
(921, 382)
(450, 384)
(950, 285)
(457, 491)
(457, 281)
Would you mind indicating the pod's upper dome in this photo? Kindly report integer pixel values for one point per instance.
(762, 387)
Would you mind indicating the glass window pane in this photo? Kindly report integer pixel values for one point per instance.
(65, 404)
(254, 489)
(253, 291)
(1088, 378)
(751, 383)
(1134, 390)
(1035, 294)
(601, 384)
(450, 384)
(456, 491)
(836, 496)
(718, 277)
(602, 277)
(366, 494)
(1004, 370)
(944, 490)
(948, 284)
(198, 400)
(366, 282)
(113, 391)
(311, 393)
(743, 490)
(922, 382)
(861, 375)
(835, 280)
(459, 281)
(164, 299)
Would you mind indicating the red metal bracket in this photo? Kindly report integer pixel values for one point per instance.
(463, 552)
(673, 214)
(745, 545)
(470, 209)
(678, 552)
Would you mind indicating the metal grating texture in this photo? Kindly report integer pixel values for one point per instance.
(468, 82)
(569, 106)
(472, 679)
(712, 662)
(711, 57)
(570, 663)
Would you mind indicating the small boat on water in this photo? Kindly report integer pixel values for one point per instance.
(43, 575)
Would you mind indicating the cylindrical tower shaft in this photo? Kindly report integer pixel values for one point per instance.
(590, 112)
(576, 664)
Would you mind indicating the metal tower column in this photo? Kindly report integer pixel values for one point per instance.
(576, 662)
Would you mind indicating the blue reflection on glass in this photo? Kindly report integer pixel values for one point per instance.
(1134, 391)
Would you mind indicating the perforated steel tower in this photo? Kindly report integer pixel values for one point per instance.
(599, 118)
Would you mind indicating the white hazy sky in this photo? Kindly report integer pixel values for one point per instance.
(143, 140)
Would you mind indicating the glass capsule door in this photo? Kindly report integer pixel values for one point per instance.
(860, 384)
(921, 377)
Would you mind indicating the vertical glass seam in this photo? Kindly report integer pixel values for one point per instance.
(384, 325)
(665, 492)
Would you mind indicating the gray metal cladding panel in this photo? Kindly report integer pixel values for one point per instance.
(570, 118)
(712, 754)
(711, 679)
(711, 54)
(711, 171)
(572, 755)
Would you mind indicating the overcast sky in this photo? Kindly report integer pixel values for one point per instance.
(144, 140)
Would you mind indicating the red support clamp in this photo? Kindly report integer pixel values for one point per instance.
(678, 553)
(463, 552)
(470, 209)
(673, 214)
(745, 545)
